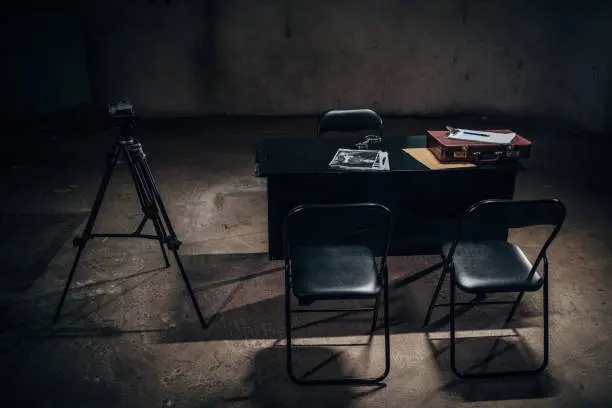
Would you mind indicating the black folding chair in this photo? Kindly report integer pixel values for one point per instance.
(330, 254)
(480, 266)
(350, 120)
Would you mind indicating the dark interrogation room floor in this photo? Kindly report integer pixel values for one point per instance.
(128, 336)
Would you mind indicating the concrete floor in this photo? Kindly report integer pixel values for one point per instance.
(129, 337)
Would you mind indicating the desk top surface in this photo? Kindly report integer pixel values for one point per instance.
(311, 155)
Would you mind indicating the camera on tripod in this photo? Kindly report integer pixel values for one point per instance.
(127, 147)
(121, 109)
(122, 115)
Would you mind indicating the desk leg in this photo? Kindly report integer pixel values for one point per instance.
(275, 219)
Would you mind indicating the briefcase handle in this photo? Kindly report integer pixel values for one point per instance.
(478, 155)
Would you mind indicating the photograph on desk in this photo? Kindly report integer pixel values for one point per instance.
(351, 159)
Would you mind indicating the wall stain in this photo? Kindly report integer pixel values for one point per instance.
(219, 201)
(464, 13)
(288, 31)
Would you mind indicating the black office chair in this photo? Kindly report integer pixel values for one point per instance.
(350, 120)
(330, 254)
(479, 266)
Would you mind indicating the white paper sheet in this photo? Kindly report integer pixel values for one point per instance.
(488, 137)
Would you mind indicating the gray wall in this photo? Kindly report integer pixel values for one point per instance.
(190, 57)
(44, 66)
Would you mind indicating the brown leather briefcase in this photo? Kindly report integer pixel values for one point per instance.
(449, 150)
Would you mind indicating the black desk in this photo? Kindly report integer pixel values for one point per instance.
(426, 203)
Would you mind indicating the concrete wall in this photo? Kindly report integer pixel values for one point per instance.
(190, 57)
(44, 66)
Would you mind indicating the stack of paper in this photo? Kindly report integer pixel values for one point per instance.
(481, 136)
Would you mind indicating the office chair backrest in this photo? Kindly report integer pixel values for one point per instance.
(350, 120)
(367, 224)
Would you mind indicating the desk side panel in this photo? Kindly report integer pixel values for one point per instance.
(426, 205)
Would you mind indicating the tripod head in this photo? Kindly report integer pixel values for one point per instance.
(123, 117)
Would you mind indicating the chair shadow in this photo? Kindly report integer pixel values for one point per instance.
(490, 354)
(270, 385)
(242, 295)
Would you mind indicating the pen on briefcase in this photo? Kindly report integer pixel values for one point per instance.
(452, 130)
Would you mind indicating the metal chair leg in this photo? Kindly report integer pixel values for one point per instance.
(288, 322)
(514, 307)
(343, 381)
(546, 333)
(375, 315)
(436, 293)
(387, 332)
(453, 339)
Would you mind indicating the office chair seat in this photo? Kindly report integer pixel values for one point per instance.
(491, 266)
(334, 272)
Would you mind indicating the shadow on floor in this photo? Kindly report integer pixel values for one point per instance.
(28, 324)
(491, 354)
(242, 296)
(55, 375)
(29, 242)
(271, 387)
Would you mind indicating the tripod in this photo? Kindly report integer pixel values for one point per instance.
(128, 148)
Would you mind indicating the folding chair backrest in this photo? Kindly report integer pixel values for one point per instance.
(350, 120)
(517, 213)
(488, 215)
(367, 224)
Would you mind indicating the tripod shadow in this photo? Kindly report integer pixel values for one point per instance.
(29, 322)
(245, 294)
(29, 242)
(217, 279)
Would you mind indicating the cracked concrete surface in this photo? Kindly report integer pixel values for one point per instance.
(129, 337)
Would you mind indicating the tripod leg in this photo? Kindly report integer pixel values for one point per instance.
(194, 301)
(143, 170)
(157, 196)
(164, 253)
(82, 240)
(141, 225)
(159, 230)
(58, 309)
(145, 196)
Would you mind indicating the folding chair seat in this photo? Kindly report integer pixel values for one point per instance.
(334, 272)
(492, 266)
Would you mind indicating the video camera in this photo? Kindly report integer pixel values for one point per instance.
(121, 109)
(123, 116)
